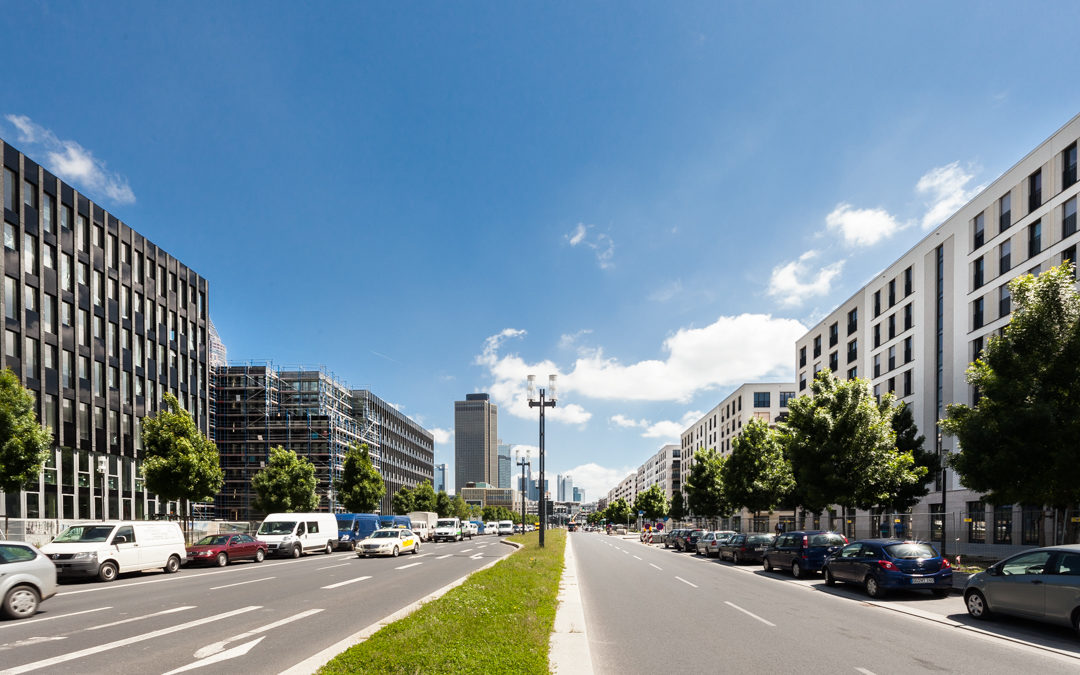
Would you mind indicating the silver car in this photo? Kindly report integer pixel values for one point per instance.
(27, 577)
(1041, 584)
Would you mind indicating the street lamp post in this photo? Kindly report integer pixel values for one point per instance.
(523, 461)
(541, 403)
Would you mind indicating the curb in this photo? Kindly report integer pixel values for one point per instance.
(569, 647)
(320, 659)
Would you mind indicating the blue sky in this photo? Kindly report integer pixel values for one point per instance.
(435, 199)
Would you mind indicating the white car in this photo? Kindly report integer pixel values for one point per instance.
(391, 541)
(491, 527)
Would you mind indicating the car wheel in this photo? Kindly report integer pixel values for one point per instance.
(766, 564)
(107, 571)
(941, 592)
(296, 552)
(222, 559)
(416, 549)
(872, 587)
(21, 602)
(830, 580)
(173, 565)
(734, 558)
(329, 548)
(976, 605)
(395, 552)
(796, 570)
(259, 555)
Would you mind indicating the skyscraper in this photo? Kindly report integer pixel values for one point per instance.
(440, 478)
(565, 488)
(505, 465)
(476, 437)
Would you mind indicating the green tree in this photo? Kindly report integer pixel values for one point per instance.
(180, 463)
(24, 444)
(443, 504)
(424, 497)
(677, 511)
(1018, 443)
(618, 512)
(459, 508)
(402, 501)
(757, 474)
(705, 487)
(908, 439)
(653, 502)
(595, 517)
(286, 484)
(842, 447)
(360, 488)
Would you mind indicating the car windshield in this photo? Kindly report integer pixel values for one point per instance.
(385, 534)
(827, 539)
(277, 527)
(445, 522)
(911, 551)
(760, 538)
(84, 533)
(344, 523)
(213, 540)
(696, 533)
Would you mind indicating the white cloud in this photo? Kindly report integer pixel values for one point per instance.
(667, 291)
(442, 436)
(602, 244)
(665, 429)
(861, 227)
(627, 423)
(72, 162)
(570, 340)
(730, 351)
(946, 187)
(596, 480)
(794, 282)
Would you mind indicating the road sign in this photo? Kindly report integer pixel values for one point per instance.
(641, 513)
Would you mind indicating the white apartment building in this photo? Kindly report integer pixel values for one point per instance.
(718, 428)
(626, 489)
(915, 328)
(661, 469)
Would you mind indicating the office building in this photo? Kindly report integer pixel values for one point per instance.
(476, 437)
(506, 465)
(440, 478)
(100, 324)
(915, 327)
(579, 494)
(404, 451)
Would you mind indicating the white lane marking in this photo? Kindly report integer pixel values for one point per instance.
(637, 557)
(750, 614)
(444, 556)
(421, 555)
(864, 671)
(476, 557)
(342, 583)
(217, 647)
(482, 546)
(328, 567)
(140, 618)
(405, 567)
(237, 651)
(657, 567)
(465, 550)
(688, 583)
(8, 624)
(30, 641)
(241, 583)
(89, 651)
(625, 551)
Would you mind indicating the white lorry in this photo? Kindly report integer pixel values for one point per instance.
(294, 534)
(449, 529)
(423, 523)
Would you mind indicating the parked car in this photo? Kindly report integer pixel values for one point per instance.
(27, 577)
(221, 549)
(802, 552)
(506, 527)
(880, 565)
(671, 536)
(746, 547)
(105, 549)
(491, 527)
(688, 540)
(390, 541)
(705, 542)
(1042, 584)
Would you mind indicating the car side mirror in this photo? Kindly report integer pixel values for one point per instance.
(120, 540)
(994, 570)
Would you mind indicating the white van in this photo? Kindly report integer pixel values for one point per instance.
(449, 529)
(491, 527)
(104, 549)
(506, 527)
(297, 533)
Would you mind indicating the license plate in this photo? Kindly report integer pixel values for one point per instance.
(922, 580)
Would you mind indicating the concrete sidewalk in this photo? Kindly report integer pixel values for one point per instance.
(569, 647)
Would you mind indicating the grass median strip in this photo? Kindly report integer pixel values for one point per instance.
(499, 621)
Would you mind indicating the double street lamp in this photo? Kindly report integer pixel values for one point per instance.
(542, 403)
(523, 461)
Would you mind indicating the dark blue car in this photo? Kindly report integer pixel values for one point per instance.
(802, 552)
(880, 565)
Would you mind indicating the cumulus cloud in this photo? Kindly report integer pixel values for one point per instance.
(730, 351)
(601, 244)
(442, 436)
(666, 429)
(795, 282)
(570, 340)
(946, 187)
(72, 162)
(596, 480)
(861, 227)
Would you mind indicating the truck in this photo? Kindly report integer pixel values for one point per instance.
(352, 527)
(423, 523)
(449, 529)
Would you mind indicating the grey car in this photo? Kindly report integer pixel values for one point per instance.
(1041, 584)
(27, 577)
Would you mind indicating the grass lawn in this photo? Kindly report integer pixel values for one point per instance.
(499, 621)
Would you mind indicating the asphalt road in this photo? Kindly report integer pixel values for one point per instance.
(651, 610)
(259, 617)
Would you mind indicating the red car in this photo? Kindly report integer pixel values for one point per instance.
(219, 549)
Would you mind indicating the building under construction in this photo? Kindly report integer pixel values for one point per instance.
(259, 407)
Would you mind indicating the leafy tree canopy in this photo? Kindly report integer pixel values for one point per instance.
(402, 501)
(757, 474)
(424, 497)
(677, 511)
(653, 501)
(618, 511)
(286, 484)
(909, 440)
(360, 488)
(443, 505)
(24, 444)
(181, 463)
(705, 487)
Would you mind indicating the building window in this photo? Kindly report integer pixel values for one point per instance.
(877, 303)
(852, 350)
(1005, 212)
(892, 357)
(65, 217)
(30, 299)
(11, 236)
(892, 292)
(976, 348)
(802, 381)
(1069, 255)
(762, 399)
(877, 365)
(834, 334)
(1031, 520)
(817, 346)
(30, 357)
(1068, 218)
(976, 522)
(852, 321)
(1003, 524)
(908, 342)
(892, 326)
(877, 335)
(908, 321)
(979, 268)
(29, 194)
(48, 313)
(979, 227)
(47, 209)
(907, 282)
(11, 344)
(67, 368)
(11, 190)
(786, 396)
(1068, 166)
(977, 313)
(1005, 257)
(29, 254)
(802, 357)
(834, 362)
(1034, 190)
(1035, 239)
(852, 373)
(907, 383)
(1004, 300)
(892, 385)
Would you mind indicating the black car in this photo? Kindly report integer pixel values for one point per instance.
(746, 547)
(671, 536)
(802, 552)
(688, 540)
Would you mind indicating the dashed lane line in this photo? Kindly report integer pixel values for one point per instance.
(50, 618)
(444, 556)
(241, 583)
(140, 618)
(328, 567)
(750, 614)
(656, 566)
(405, 567)
(688, 583)
(342, 583)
